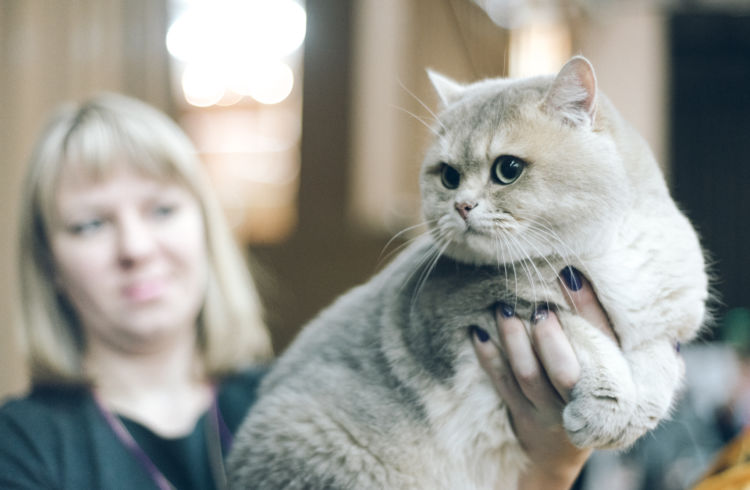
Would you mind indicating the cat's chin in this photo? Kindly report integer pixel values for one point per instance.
(476, 252)
(477, 249)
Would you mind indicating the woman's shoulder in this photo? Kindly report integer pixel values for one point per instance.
(43, 434)
(46, 416)
(46, 403)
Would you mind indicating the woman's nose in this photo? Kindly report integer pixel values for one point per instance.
(135, 238)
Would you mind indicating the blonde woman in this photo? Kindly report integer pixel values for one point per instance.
(140, 319)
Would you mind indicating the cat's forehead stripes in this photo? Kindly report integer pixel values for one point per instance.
(473, 130)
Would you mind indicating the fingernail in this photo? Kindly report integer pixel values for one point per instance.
(506, 310)
(541, 313)
(677, 347)
(572, 278)
(480, 333)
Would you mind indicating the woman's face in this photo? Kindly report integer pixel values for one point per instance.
(130, 256)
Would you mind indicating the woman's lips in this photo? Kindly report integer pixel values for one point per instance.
(145, 291)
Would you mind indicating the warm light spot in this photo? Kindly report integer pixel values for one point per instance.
(269, 83)
(539, 48)
(202, 85)
(229, 98)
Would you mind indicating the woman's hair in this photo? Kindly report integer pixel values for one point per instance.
(96, 135)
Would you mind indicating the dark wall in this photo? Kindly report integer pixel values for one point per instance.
(326, 255)
(710, 140)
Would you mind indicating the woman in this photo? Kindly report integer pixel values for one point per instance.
(140, 320)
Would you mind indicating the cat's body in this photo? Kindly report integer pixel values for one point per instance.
(383, 389)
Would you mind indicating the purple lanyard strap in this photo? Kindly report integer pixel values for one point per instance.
(219, 441)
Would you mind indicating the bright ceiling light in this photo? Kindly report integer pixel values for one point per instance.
(237, 30)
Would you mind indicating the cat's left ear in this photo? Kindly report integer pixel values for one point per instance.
(448, 90)
(573, 93)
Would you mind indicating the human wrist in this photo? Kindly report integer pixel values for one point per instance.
(550, 476)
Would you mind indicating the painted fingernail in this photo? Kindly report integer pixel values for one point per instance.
(480, 333)
(572, 278)
(541, 313)
(506, 310)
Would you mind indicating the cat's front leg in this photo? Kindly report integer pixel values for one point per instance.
(603, 400)
(657, 371)
(620, 395)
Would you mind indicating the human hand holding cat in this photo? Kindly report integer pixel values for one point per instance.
(535, 378)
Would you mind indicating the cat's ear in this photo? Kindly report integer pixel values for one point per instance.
(448, 90)
(573, 93)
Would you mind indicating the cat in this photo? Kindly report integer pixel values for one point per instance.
(524, 177)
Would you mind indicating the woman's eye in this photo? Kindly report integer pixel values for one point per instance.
(164, 210)
(86, 227)
(507, 169)
(449, 176)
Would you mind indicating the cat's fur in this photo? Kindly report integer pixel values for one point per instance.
(383, 388)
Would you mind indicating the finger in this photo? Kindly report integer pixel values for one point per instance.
(499, 372)
(523, 361)
(581, 298)
(555, 353)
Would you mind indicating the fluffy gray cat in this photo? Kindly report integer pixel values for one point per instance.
(383, 388)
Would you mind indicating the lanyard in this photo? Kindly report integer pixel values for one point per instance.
(218, 438)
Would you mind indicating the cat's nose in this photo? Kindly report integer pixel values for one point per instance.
(464, 207)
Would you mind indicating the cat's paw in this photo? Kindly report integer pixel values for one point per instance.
(600, 418)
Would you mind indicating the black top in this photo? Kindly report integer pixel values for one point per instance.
(57, 438)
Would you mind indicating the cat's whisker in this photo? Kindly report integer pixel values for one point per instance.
(439, 235)
(506, 246)
(525, 263)
(421, 102)
(427, 271)
(500, 256)
(538, 252)
(426, 257)
(541, 234)
(401, 246)
(418, 118)
(551, 266)
(546, 228)
(547, 232)
(385, 258)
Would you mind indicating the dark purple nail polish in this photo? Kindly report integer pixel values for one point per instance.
(506, 310)
(480, 333)
(572, 278)
(677, 347)
(541, 313)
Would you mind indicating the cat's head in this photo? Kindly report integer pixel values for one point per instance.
(522, 168)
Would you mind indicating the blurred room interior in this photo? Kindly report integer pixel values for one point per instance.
(313, 134)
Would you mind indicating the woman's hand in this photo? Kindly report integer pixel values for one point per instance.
(535, 377)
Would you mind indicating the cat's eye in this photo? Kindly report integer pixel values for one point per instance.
(449, 176)
(507, 169)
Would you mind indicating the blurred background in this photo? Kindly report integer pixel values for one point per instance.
(310, 117)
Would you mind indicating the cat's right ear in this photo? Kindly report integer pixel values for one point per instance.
(448, 90)
(572, 95)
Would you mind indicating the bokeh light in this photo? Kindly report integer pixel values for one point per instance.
(202, 85)
(269, 83)
(243, 43)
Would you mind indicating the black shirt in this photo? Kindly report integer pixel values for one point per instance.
(56, 438)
